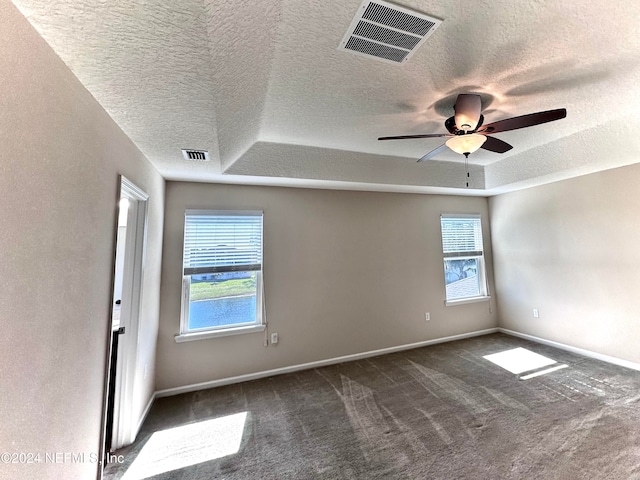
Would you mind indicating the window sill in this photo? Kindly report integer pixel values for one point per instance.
(462, 301)
(193, 336)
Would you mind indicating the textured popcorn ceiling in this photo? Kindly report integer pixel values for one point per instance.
(262, 86)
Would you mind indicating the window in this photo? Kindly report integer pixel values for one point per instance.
(464, 272)
(222, 273)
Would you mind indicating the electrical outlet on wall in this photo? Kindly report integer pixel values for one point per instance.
(427, 316)
(536, 313)
(274, 338)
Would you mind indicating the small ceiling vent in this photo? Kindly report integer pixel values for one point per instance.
(387, 32)
(196, 155)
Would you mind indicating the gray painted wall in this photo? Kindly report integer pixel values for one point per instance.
(60, 159)
(345, 272)
(570, 249)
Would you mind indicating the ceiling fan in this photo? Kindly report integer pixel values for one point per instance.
(468, 133)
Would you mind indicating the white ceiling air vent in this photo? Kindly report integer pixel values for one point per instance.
(196, 155)
(387, 32)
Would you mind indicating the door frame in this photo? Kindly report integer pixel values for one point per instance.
(124, 425)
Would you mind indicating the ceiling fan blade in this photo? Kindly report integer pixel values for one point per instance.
(407, 137)
(433, 153)
(523, 121)
(496, 145)
(467, 110)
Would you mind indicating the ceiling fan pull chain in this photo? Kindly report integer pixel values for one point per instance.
(466, 167)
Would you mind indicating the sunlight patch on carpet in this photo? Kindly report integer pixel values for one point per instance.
(188, 445)
(519, 360)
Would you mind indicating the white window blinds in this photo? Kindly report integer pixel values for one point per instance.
(461, 236)
(222, 242)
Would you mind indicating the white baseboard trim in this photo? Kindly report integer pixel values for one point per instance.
(143, 417)
(580, 351)
(320, 363)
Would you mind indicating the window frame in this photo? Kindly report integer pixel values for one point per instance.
(478, 255)
(259, 324)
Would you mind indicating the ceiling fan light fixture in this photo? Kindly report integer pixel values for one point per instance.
(466, 144)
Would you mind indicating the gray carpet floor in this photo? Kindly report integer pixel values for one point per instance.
(438, 412)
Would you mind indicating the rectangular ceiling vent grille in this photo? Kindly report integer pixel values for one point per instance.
(386, 32)
(196, 155)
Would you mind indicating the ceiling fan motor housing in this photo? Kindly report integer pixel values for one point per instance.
(467, 108)
(450, 125)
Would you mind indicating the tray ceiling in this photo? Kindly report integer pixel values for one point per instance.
(264, 88)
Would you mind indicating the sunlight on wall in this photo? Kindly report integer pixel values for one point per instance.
(188, 445)
(123, 212)
(519, 360)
